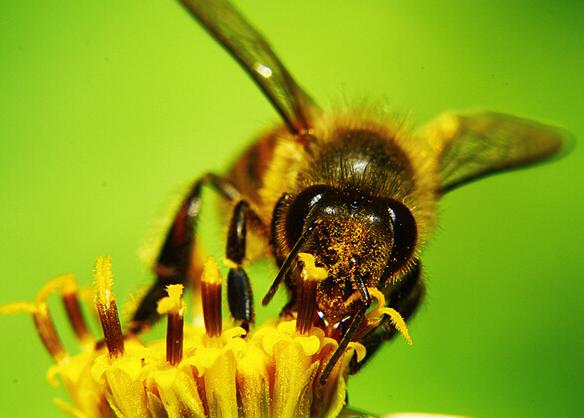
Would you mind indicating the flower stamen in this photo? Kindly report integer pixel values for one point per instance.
(173, 306)
(42, 318)
(106, 307)
(311, 275)
(48, 333)
(271, 371)
(211, 295)
(69, 294)
(375, 317)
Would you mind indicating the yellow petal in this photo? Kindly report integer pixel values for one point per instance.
(178, 392)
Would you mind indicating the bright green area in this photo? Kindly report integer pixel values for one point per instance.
(108, 108)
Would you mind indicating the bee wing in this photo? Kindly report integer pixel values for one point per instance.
(471, 146)
(256, 56)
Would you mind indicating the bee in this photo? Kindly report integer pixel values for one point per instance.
(357, 190)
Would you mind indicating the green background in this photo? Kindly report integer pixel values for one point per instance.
(108, 108)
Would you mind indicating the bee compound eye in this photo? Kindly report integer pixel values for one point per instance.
(300, 208)
(405, 234)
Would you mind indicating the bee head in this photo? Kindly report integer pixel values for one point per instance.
(357, 238)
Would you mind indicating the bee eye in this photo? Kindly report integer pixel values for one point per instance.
(404, 235)
(299, 209)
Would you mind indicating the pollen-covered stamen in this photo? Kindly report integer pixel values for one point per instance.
(73, 309)
(174, 308)
(311, 275)
(106, 307)
(375, 317)
(211, 295)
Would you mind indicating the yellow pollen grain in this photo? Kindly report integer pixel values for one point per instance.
(310, 271)
(211, 273)
(103, 279)
(69, 284)
(173, 302)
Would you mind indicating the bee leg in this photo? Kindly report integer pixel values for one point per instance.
(175, 263)
(289, 262)
(239, 292)
(405, 298)
(354, 326)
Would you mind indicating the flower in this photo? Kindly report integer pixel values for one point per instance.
(211, 370)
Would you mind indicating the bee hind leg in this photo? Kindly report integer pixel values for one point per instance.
(404, 298)
(239, 291)
(175, 263)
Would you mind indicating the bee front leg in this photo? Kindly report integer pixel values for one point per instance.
(354, 326)
(239, 292)
(404, 298)
(175, 263)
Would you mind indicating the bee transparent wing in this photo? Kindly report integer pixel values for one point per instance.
(471, 146)
(256, 56)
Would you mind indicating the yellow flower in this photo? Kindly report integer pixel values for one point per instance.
(211, 370)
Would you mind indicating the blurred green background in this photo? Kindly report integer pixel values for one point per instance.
(108, 108)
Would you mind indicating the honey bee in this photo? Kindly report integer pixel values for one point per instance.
(357, 190)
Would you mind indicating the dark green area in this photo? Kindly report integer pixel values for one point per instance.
(108, 108)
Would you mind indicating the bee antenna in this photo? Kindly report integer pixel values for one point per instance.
(288, 261)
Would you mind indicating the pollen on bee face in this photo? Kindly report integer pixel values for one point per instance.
(214, 370)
